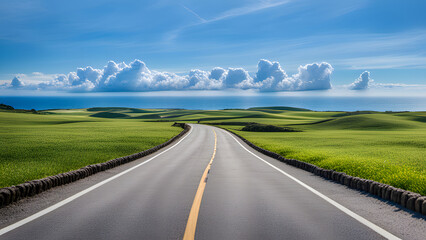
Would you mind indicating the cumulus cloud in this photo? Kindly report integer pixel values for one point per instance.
(199, 79)
(315, 76)
(363, 82)
(271, 77)
(133, 77)
(268, 75)
(137, 77)
(237, 78)
(217, 73)
(16, 83)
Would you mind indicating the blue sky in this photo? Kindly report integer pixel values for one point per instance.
(40, 39)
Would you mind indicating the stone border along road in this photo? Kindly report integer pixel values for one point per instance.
(13, 194)
(248, 196)
(409, 200)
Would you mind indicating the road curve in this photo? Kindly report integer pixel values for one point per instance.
(244, 197)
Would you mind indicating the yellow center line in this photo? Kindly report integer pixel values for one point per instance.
(191, 225)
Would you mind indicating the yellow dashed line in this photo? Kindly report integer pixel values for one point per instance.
(191, 225)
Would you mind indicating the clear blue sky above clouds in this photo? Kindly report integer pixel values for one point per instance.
(385, 37)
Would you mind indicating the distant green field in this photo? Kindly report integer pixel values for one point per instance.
(385, 147)
(34, 146)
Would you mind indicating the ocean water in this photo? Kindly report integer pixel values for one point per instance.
(318, 103)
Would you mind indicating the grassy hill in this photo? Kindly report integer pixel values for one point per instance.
(369, 122)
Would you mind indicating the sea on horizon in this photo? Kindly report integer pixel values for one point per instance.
(316, 103)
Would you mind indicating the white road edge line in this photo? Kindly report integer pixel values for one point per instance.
(360, 219)
(77, 195)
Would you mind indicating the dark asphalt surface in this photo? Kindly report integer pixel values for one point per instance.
(244, 199)
(247, 199)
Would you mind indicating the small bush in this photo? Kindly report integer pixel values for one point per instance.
(109, 115)
(230, 123)
(256, 127)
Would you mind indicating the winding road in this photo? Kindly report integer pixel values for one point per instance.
(211, 185)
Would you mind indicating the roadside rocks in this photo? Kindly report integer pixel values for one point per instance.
(418, 204)
(13, 194)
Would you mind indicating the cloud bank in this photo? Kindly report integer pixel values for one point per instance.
(137, 77)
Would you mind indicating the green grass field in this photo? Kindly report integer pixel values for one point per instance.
(385, 147)
(34, 146)
(388, 148)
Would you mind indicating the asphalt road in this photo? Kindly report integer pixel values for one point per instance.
(245, 195)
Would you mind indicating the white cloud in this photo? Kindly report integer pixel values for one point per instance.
(168, 81)
(217, 73)
(237, 78)
(16, 83)
(315, 76)
(268, 75)
(271, 77)
(61, 82)
(137, 77)
(35, 77)
(87, 75)
(109, 70)
(267, 69)
(395, 85)
(203, 80)
(363, 82)
(127, 78)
